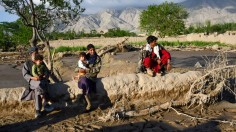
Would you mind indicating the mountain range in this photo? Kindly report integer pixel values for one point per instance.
(200, 11)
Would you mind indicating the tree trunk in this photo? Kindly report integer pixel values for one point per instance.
(33, 41)
(49, 63)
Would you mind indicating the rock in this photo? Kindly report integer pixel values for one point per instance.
(198, 65)
(226, 48)
(215, 47)
(60, 54)
(198, 49)
(208, 47)
(113, 53)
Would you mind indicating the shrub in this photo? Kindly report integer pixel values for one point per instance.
(67, 48)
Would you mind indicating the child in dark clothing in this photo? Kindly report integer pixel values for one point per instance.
(84, 84)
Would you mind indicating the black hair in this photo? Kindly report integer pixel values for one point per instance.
(38, 57)
(82, 54)
(151, 39)
(33, 49)
(89, 46)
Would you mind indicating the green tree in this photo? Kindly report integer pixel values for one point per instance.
(166, 18)
(117, 32)
(42, 15)
(21, 34)
(13, 34)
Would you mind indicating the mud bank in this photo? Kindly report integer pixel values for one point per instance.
(131, 85)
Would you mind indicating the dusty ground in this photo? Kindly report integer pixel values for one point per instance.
(20, 116)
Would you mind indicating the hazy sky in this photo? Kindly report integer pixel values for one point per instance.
(93, 6)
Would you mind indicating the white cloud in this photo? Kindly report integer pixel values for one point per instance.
(2, 9)
(37, 2)
(93, 6)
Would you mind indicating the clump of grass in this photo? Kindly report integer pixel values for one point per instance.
(67, 48)
(138, 43)
(178, 43)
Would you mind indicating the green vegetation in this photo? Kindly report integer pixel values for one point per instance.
(116, 32)
(13, 34)
(69, 35)
(166, 18)
(209, 28)
(67, 48)
(184, 44)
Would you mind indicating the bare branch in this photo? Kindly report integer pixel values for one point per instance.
(233, 122)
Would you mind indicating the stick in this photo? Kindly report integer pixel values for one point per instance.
(233, 122)
(106, 51)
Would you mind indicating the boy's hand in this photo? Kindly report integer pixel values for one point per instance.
(159, 61)
(168, 67)
(34, 78)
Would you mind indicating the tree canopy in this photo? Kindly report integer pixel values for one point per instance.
(13, 34)
(166, 18)
(43, 14)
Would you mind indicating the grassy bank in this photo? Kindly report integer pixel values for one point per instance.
(67, 48)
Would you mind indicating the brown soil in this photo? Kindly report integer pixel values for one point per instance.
(20, 116)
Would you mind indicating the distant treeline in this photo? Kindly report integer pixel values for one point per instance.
(209, 28)
(115, 32)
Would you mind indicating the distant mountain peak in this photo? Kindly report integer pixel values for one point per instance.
(200, 11)
(216, 11)
(208, 3)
